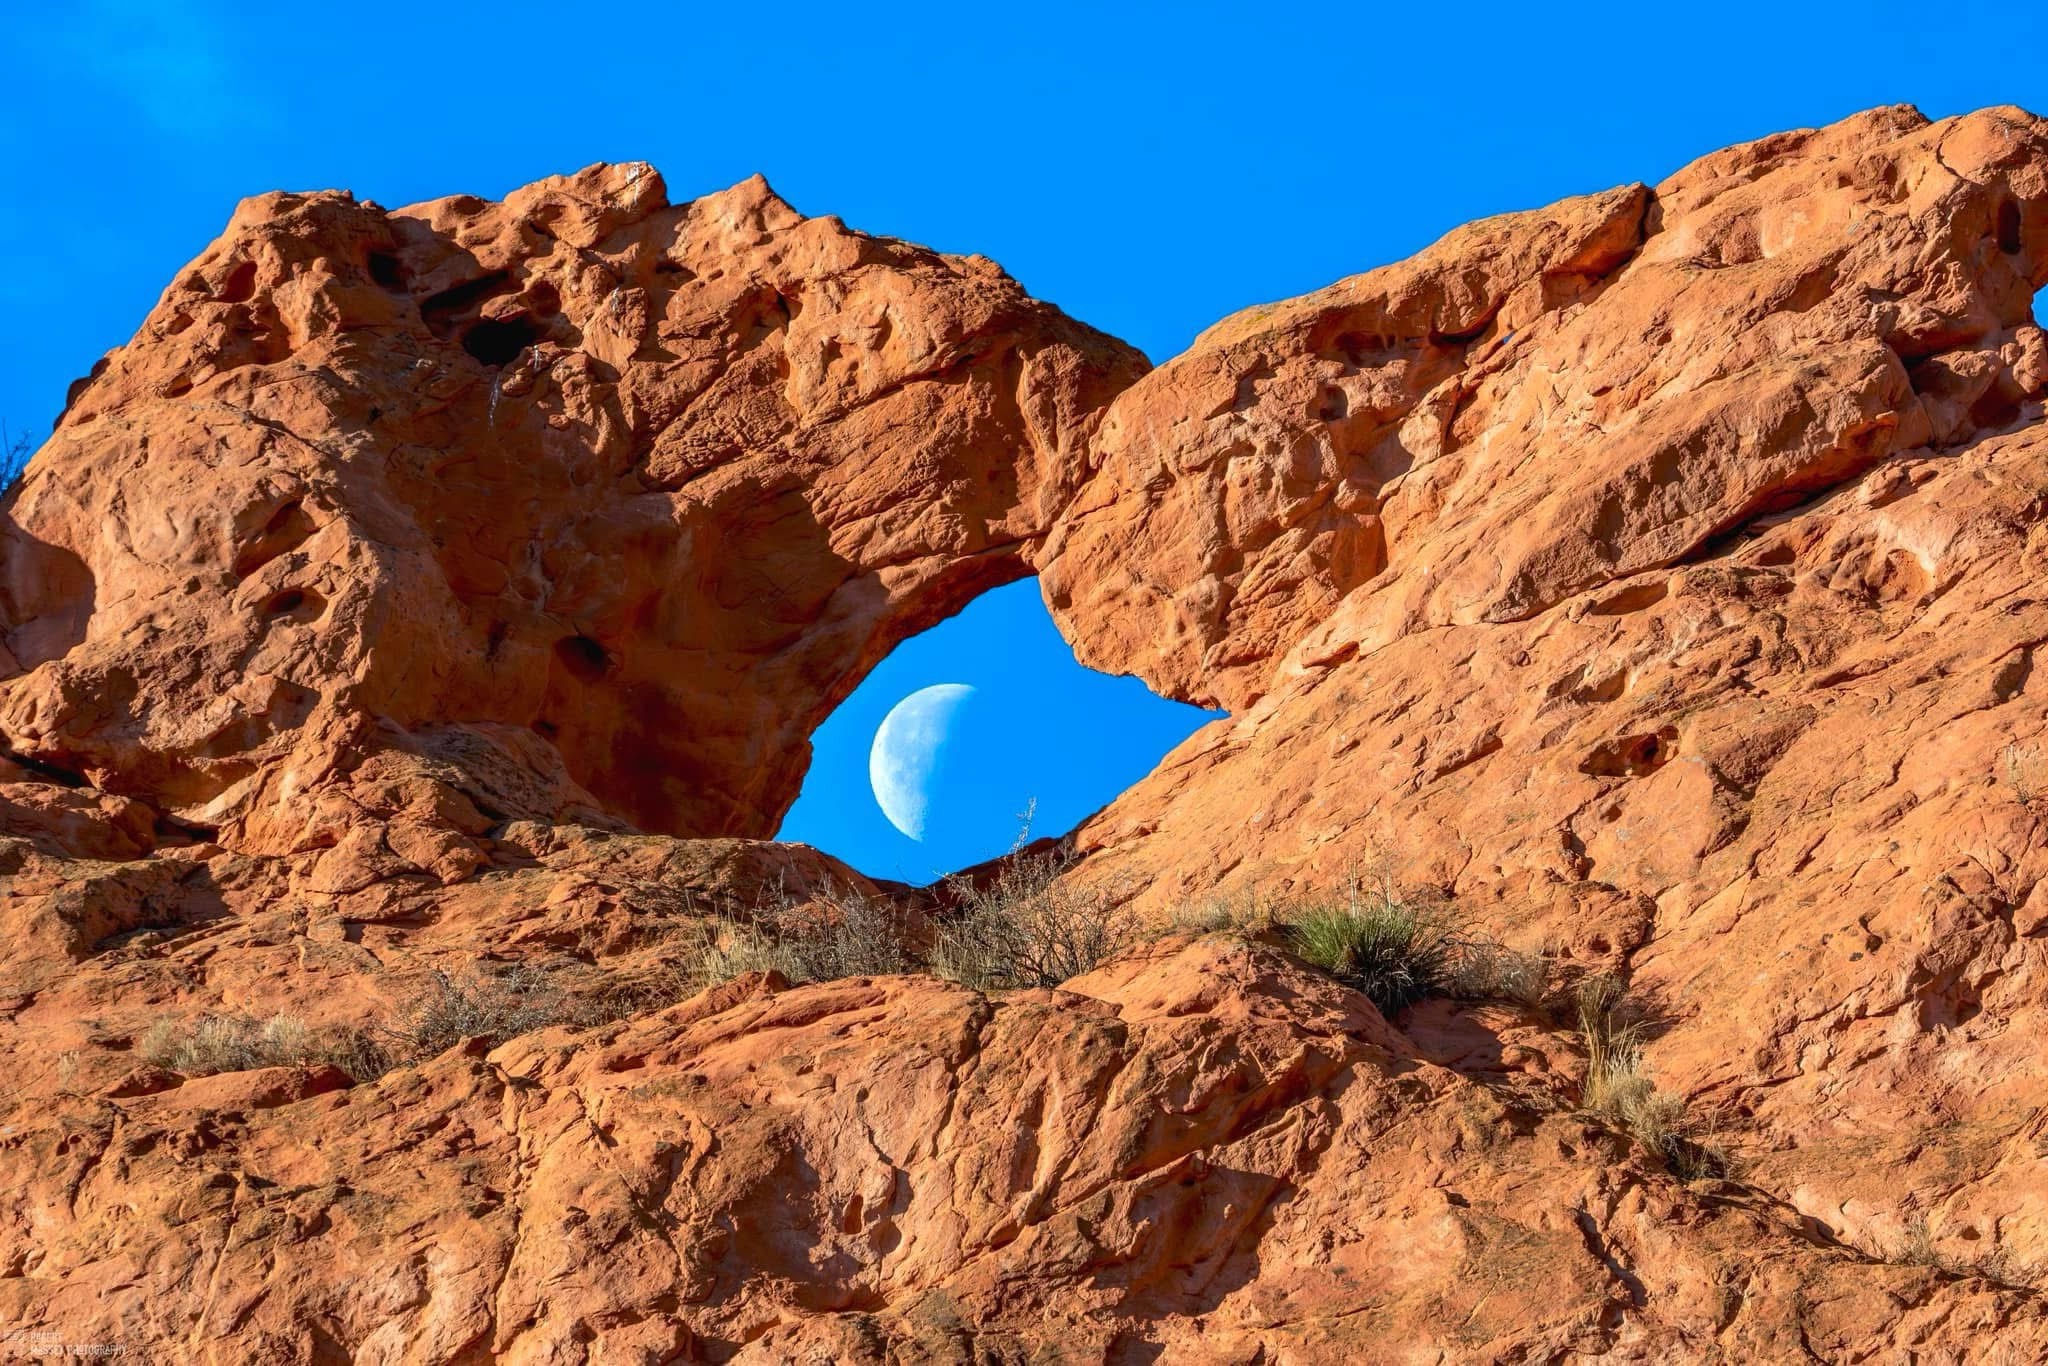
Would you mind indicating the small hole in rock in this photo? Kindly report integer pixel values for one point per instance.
(1362, 348)
(1775, 556)
(240, 286)
(2009, 227)
(546, 730)
(386, 271)
(297, 603)
(286, 530)
(441, 310)
(583, 657)
(1993, 410)
(1632, 756)
(498, 341)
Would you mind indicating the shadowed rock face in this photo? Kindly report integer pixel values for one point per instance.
(1655, 574)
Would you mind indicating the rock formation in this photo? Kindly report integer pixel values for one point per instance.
(576, 506)
(1652, 575)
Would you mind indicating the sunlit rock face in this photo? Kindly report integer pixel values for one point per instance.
(582, 502)
(1654, 574)
(1662, 583)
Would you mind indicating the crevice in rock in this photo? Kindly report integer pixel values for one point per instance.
(43, 768)
(287, 529)
(441, 310)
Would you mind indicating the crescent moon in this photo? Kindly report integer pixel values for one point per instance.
(906, 751)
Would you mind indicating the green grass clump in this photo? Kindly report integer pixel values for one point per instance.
(1395, 954)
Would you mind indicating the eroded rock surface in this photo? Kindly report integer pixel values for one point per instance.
(1654, 574)
(1695, 630)
(579, 503)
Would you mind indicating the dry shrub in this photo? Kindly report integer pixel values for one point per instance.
(842, 936)
(1916, 1247)
(1619, 1087)
(2025, 772)
(1027, 927)
(480, 1005)
(14, 457)
(1243, 913)
(820, 940)
(1485, 970)
(213, 1044)
(729, 947)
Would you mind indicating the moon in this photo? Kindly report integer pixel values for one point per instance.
(906, 753)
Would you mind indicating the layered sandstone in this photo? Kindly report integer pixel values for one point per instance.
(1652, 574)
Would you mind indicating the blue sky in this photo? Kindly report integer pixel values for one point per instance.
(1041, 744)
(1149, 168)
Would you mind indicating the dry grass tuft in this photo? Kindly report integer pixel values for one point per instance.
(1028, 928)
(1488, 971)
(478, 1004)
(1243, 914)
(1618, 1084)
(2024, 772)
(1916, 1247)
(821, 940)
(214, 1044)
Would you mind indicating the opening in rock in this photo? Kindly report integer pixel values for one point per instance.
(2008, 228)
(441, 310)
(498, 341)
(583, 657)
(966, 733)
(240, 286)
(386, 271)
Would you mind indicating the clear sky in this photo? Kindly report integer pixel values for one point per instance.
(1040, 744)
(1149, 168)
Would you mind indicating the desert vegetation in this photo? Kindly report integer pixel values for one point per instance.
(240, 1043)
(1618, 1084)
(1017, 925)
(1399, 946)
(444, 1010)
(14, 456)
(818, 940)
(1025, 927)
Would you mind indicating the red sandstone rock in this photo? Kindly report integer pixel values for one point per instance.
(1701, 644)
(1653, 574)
(582, 502)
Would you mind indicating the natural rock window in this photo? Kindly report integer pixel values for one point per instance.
(997, 731)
